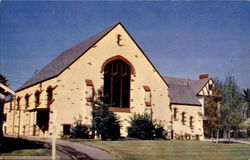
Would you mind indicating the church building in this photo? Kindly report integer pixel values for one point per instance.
(64, 90)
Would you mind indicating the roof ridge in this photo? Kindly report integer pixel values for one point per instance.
(180, 78)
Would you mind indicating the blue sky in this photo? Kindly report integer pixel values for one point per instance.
(182, 39)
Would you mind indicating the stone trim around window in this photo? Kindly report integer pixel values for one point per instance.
(118, 57)
(119, 109)
(88, 82)
(146, 88)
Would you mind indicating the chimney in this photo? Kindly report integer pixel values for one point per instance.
(203, 76)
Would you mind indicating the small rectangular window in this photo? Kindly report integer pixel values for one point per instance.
(89, 92)
(191, 122)
(147, 96)
(210, 87)
(175, 113)
(183, 118)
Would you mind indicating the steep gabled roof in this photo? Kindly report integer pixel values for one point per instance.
(65, 59)
(185, 91)
(180, 94)
(197, 85)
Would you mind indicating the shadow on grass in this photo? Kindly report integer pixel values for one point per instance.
(11, 144)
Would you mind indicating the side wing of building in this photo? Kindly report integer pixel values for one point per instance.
(187, 104)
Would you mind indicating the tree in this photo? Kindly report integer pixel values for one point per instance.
(211, 111)
(104, 122)
(4, 80)
(230, 112)
(246, 99)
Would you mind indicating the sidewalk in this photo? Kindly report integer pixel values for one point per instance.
(92, 152)
(226, 140)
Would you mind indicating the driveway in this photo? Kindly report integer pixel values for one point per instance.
(74, 150)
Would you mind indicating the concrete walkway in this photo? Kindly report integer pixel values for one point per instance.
(226, 140)
(92, 152)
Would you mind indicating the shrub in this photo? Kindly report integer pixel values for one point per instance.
(141, 126)
(104, 122)
(160, 132)
(80, 130)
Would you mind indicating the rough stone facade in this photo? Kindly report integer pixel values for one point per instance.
(73, 89)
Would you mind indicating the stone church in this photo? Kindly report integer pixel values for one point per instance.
(64, 90)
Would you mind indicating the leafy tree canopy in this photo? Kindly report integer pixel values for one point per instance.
(230, 112)
(246, 99)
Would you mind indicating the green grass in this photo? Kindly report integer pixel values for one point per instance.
(28, 152)
(22, 147)
(172, 150)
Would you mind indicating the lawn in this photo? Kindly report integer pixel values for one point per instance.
(173, 150)
(21, 147)
(28, 152)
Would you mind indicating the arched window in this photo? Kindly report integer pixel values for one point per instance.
(49, 95)
(27, 97)
(18, 102)
(37, 98)
(117, 84)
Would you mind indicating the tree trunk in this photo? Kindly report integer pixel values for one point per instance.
(217, 135)
(235, 133)
(229, 136)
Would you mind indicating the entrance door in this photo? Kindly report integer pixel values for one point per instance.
(42, 119)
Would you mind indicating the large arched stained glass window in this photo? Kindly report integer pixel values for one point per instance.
(117, 84)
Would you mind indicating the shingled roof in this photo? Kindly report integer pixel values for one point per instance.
(184, 91)
(65, 59)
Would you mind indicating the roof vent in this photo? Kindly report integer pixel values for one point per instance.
(203, 76)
